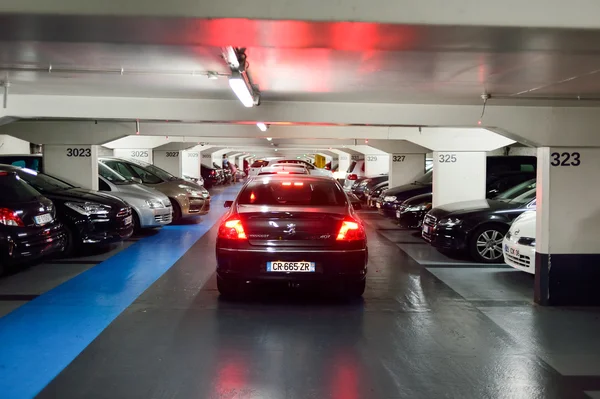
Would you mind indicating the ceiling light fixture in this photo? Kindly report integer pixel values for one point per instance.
(241, 89)
(262, 126)
(269, 138)
(240, 81)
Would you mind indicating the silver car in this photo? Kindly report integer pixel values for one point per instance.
(151, 207)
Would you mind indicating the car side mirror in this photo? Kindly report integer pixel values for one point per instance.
(228, 204)
(136, 180)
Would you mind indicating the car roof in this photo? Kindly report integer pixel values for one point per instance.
(10, 168)
(309, 178)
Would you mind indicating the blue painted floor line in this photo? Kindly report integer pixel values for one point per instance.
(39, 339)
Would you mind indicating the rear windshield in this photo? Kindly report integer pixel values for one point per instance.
(516, 191)
(351, 167)
(292, 192)
(13, 189)
(259, 164)
(43, 183)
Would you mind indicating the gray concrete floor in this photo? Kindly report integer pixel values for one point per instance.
(419, 332)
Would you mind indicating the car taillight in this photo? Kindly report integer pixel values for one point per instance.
(212, 172)
(8, 217)
(232, 229)
(351, 231)
(352, 177)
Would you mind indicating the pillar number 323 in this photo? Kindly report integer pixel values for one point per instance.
(565, 159)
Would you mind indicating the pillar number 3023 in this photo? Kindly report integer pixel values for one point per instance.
(565, 159)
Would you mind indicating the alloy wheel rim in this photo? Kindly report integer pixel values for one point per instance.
(489, 244)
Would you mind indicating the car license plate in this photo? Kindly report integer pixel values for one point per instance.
(42, 219)
(378, 204)
(301, 267)
(426, 229)
(128, 220)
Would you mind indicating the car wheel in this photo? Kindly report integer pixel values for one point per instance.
(227, 288)
(176, 210)
(70, 242)
(356, 289)
(136, 222)
(485, 245)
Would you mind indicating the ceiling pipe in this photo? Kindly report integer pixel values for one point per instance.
(110, 71)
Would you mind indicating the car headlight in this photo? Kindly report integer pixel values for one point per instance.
(389, 198)
(195, 192)
(88, 208)
(417, 208)
(154, 203)
(449, 222)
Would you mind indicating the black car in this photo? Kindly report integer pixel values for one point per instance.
(496, 166)
(374, 193)
(28, 225)
(366, 185)
(478, 227)
(410, 213)
(210, 176)
(89, 217)
(296, 231)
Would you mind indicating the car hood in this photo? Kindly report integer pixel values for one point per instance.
(84, 195)
(138, 191)
(466, 208)
(172, 188)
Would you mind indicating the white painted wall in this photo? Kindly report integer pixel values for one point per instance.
(568, 212)
(13, 145)
(405, 168)
(105, 151)
(376, 164)
(140, 154)
(77, 164)
(169, 160)
(190, 164)
(458, 176)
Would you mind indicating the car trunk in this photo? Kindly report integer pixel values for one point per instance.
(291, 226)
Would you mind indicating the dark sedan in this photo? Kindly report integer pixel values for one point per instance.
(478, 227)
(389, 200)
(28, 225)
(411, 212)
(374, 193)
(89, 217)
(293, 230)
(210, 176)
(365, 186)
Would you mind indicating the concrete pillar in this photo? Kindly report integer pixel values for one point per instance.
(171, 161)
(138, 154)
(458, 176)
(405, 168)
(206, 159)
(77, 164)
(190, 163)
(377, 164)
(13, 145)
(567, 260)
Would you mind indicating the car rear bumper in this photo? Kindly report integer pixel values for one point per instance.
(330, 265)
(15, 250)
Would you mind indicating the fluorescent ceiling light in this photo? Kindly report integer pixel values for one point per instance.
(262, 127)
(241, 90)
(231, 57)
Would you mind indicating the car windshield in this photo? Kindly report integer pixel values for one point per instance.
(513, 192)
(111, 175)
(163, 174)
(427, 178)
(292, 192)
(524, 198)
(351, 167)
(41, 182)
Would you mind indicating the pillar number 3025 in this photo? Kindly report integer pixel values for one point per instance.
(565, 159)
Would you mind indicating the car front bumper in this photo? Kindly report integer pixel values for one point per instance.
(155, 217)
(451, 239)
(410, 220)
(519, 256)
(330, 265)
(195, 206)
(387, 209)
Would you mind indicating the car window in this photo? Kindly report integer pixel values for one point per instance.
(120, 168)
(259, 164)
(111, 175)
(145, 175)
(517, 190)
(103, 186)
(31, 162)
(292, 193)
(43, 183)
(351, 167)
(13, 189)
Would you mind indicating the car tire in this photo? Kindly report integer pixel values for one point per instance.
(356, 289)
(481, 247)
(136, 222)
(71, 242)
(176, 211)
(227, 288)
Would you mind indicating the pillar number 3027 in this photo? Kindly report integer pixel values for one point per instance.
(565, 159)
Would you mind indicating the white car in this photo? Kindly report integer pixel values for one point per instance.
(312, 169)
(356, 170)
(519, 243)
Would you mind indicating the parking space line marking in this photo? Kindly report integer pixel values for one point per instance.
(41, 338)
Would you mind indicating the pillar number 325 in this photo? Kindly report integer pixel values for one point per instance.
(565, 159)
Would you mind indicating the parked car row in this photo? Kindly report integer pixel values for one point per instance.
(216, 175)
(476, 228)
(61, 217)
